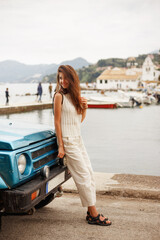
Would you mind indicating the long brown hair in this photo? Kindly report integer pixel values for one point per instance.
(74, 85)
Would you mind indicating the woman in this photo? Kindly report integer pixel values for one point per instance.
(69, 112)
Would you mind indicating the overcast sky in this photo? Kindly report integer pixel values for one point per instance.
(51, 31)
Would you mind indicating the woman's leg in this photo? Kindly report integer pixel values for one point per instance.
(80, 167)
(89, 166)
(91, 209)
(79, 171)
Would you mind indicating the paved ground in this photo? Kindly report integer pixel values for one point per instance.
(64, 218)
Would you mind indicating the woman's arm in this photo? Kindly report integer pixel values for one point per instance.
(83, 114)
(85, 106)
(57, 123)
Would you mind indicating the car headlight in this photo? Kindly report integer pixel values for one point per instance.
(22, 162)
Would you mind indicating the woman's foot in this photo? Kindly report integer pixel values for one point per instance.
(99, 220)
(88, 215)
(95, 218)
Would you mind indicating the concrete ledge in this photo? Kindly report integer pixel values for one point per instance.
(123, 185)
(133, 193)
(24, 108)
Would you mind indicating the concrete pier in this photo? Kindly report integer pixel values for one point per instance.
(24, 107)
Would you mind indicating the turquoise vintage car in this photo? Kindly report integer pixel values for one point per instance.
(30, 172)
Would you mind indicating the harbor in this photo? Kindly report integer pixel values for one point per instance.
(119, 100)
(96, 98)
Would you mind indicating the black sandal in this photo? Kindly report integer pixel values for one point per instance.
(88, 215)
(97, 221)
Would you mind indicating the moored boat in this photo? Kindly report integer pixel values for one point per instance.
(102, 105)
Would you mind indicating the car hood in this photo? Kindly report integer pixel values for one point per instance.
(14, 135)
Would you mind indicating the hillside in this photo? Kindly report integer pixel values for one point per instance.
(13, 71)
(91, 72)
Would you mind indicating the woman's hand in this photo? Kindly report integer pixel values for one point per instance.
(84, 102)
(84, 107)
(61, 152)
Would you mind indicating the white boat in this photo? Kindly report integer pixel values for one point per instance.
(144, 98)
(119, 101)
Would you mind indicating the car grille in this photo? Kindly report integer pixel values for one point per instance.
(46, 159)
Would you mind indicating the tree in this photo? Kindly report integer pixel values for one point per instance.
(101, 63)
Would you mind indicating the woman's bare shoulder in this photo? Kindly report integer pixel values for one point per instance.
(57, 94)
(58, 97)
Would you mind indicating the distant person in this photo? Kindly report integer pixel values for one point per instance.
(7, 96)
(39, 92)
(93, 85)
(50, 90)
(87, 85)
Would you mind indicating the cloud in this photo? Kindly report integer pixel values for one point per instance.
(52, 31)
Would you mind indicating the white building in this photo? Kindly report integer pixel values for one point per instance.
(149, 72)
(119, 78)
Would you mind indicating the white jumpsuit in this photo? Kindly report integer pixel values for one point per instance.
(78, 161)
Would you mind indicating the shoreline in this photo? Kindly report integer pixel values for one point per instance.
(122, 185)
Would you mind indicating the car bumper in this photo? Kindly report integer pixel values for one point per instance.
(19, 200)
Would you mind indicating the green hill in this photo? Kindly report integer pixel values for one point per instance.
(90, 73)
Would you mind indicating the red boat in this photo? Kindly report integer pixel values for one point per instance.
(102, 105)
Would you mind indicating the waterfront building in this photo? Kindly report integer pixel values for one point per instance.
(149, 73)
(119, 78)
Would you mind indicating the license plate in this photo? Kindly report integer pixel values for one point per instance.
(55, 182)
